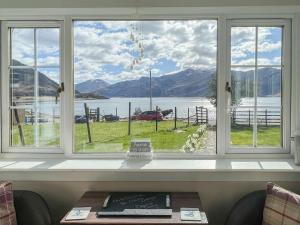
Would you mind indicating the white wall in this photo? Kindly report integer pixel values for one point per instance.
(140, 3)
(217, 197)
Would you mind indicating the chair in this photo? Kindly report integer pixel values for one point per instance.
(248, 210)
(31, 209)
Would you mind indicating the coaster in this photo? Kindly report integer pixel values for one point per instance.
(190, 214)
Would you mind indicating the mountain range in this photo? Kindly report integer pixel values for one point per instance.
(186, 83)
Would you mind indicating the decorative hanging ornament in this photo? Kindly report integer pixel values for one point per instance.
(136, 38)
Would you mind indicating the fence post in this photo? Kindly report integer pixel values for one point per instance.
(233, 116)
(197, 116)
(31, 117)
(86, 110)
(201, 111)
(19, 125)
(98, 114)
(175, 119)
(156, 118)
(116, 111)
(266, 117)
(129, 118)
(249, 118)
(188, 116)
(206, 116)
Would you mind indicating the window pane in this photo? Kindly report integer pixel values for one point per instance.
(242, 126)
(269, 107)
(21, 130)
(48, 47)
(256, 101)
(112, 63)
(243, 45)
(242, 85)
(22, 46)
(269, 46)
(34, 99)
(21, 86)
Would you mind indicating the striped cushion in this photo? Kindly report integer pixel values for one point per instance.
(7, 209)
(282, 207)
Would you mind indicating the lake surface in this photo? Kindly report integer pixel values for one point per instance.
(109, 106)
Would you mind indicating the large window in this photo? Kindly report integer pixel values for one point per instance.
(32, 82)
(259, 115)
(156, 79)
(145, 79)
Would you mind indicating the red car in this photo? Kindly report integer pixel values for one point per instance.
(148, 115)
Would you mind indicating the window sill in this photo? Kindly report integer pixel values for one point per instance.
(154, 170)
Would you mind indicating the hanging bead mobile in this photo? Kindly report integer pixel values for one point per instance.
(136, 37)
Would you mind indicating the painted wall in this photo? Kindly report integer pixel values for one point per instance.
(217, 197)
(139, 3)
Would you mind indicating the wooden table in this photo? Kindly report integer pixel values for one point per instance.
(178, 200)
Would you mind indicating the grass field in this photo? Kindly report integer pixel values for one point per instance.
(266, 136)
(113, 136)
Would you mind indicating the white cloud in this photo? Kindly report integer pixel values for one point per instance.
(186, 43)
(243, 45)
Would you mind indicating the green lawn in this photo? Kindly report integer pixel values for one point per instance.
(48, 134)
(113, 136)
(266, 136)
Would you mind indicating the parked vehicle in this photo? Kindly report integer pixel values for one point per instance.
(111, 117)
(80, 119)
(148, 115)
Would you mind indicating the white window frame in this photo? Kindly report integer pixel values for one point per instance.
(5, 63)
(70, 21)
(224, 17)
(286, 84)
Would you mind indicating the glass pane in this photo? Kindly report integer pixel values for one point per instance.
(242, 110)
(21, 126)
(241, 126)
(49, 107)
(112, 63)
(28, 129)
(49, 80)
(34, 100)
(269, 107)
(21, 86)
(242, 86)
(22, 46)
(47, 46)
(269, 45)
(243, 45)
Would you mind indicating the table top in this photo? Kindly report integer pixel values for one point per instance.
(178, 200)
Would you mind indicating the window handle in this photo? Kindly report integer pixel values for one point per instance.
(227, 87)
(60, 89)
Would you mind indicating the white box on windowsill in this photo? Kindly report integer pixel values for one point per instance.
(140, 149)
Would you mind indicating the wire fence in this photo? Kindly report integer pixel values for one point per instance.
(264, 117)
(195, 116)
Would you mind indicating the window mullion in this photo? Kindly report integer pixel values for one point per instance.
(255, 91)
(36, 93)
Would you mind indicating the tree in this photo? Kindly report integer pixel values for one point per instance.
(235, 98)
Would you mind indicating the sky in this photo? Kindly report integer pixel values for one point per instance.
(104, 49)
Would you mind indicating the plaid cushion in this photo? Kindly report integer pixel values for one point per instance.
(282, 207)
(7, 209)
